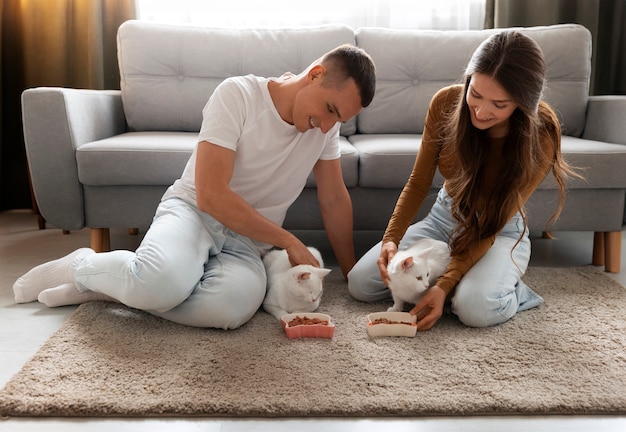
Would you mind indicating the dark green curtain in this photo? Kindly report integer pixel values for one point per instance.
(606, 19)
(64, 43)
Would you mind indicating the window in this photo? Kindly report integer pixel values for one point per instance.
(401, 14)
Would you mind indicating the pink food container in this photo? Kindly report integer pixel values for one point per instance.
(307, 330)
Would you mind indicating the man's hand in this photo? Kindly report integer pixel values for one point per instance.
(430, 308)
(387, 252)
(298, 254)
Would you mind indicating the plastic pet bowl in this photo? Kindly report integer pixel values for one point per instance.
(307, 330)
(403, 324)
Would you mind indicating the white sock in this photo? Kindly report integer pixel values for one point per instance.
(67, 294)
(48, 275)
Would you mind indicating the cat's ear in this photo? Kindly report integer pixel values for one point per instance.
(407, 263)
(321, 272)
(303, 276)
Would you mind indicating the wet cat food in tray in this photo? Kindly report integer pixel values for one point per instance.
(307, 324)
(391, 324)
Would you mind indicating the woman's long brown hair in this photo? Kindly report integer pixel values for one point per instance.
(516, 62)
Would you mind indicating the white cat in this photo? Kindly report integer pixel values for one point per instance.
(413, 270)
(292, 289)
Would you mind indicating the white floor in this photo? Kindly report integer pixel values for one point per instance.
(24, 328)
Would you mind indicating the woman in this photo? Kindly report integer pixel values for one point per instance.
(494, 141)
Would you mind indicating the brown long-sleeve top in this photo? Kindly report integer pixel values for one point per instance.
(427, 162)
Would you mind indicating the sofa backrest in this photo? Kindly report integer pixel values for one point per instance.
(168, 72)
(412, 65)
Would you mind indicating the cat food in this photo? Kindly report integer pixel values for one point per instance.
(388, 321)
(391, 324)
(307, 325)
(305, 320)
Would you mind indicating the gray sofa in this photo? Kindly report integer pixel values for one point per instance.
(102, 159)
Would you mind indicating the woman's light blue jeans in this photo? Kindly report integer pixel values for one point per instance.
(490, 293)
(189, 269)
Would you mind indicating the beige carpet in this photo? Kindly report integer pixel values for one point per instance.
(566, 357)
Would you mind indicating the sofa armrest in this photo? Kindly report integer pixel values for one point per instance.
(606, 119)
(56, 122)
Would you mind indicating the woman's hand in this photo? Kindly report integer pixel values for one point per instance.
(430, 308)
(387, 251)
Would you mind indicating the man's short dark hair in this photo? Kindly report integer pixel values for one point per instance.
(348, 61)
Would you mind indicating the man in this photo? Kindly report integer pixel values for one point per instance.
(200, 263)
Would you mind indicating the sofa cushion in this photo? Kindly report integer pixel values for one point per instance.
(386, 160)
(602, 164)
(158, 159)
(413, 64)
(135, 158)
(168, 72)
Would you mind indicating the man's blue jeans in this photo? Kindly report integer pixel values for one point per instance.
(189, 269)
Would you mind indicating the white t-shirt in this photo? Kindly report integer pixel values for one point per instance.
(273, 159)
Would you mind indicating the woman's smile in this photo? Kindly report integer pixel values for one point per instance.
(490, 105)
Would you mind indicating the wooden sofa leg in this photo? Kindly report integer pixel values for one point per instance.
(100, 239)
(607, 250)
(612, 251)
(597, 258)
(41, 222)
